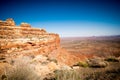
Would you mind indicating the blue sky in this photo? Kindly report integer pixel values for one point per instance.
(66, 17)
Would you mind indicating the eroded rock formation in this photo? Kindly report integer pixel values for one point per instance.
(23, 40)
(8, 22)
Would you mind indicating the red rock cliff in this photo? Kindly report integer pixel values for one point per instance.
(24, 40)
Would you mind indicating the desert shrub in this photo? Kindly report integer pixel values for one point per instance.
(112, 74)
(82, 64)
(67, 75)
(21, 72)
(112, 59)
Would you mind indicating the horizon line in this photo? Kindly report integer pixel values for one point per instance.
(91, 36)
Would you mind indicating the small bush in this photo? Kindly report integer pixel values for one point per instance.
(82, 64)
(112, 59)
(21, 72)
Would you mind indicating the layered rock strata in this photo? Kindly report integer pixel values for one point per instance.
(24, 40)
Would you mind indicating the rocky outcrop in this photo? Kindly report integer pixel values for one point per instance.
(25, 25)
(23, 40)
(8, 22)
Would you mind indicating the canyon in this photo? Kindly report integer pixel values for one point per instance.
(26, 45)
(24, 40)
(36, 51)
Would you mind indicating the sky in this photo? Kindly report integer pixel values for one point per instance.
(68, 18)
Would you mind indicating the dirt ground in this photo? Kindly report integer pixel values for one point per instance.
(102, 47)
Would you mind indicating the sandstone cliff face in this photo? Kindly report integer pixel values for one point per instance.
(23, 40)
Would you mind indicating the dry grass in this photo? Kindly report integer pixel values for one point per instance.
(20, 71)
(112, 74)
(67, 75)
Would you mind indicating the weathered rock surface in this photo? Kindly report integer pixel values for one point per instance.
(17, 40)
(8, 22)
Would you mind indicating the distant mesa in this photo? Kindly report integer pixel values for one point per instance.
(8, 22)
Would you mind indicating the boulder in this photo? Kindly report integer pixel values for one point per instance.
(76, 67)
(52, 66)
(10, 22)
(65, 67)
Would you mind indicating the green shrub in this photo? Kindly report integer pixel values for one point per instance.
(82, 64)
